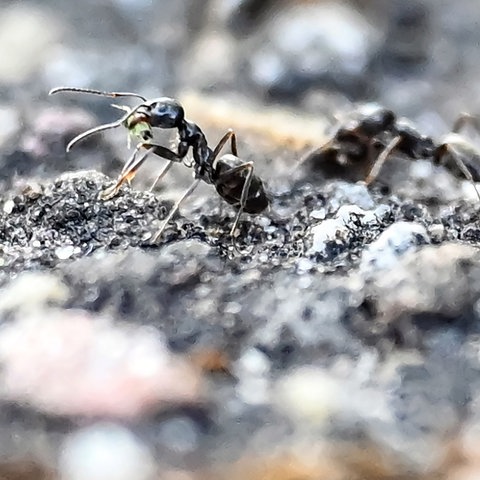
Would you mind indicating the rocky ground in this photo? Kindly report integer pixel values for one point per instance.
(335, 338)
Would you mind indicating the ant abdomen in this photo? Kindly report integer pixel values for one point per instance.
(230, 178)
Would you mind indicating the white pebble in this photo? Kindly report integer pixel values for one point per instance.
(310, 394)
(8, 206)
(64, 253)
(392, 243)
(105, 452)
(335, 229)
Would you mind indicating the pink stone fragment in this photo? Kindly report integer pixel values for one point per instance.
(70, 363)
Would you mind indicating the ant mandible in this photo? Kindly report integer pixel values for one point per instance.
(233, 178)
(372, 127)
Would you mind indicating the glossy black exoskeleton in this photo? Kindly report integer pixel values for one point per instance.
(233, 178)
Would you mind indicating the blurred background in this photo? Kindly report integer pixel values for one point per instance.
(418, 57)
(415, 56)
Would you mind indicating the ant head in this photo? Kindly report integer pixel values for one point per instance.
(164, 113)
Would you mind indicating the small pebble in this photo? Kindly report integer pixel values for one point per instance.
(8, 206)
(63, 253)
(309, 394)
(392, 243)
(105, 451)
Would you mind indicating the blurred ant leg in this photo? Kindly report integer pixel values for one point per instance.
(465, 119)
(330, 144)
(382, 158)
(230, 135)
(444, 150)
(248, 166)
(127, 174)
(175, 208)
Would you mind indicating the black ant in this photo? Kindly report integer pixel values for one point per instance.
(233, 178)
(368, 138)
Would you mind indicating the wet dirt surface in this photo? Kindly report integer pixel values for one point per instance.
(336, 336)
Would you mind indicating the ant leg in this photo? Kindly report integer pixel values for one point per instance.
(132, 162)
(446, 150)
(132, 165)
(171, 156)
(329, 145)
(245, 190)
(382, 158)
(162, 173)
(127, 174)
(174, 209)
(244, 196)
(464, 119)
(230, 135)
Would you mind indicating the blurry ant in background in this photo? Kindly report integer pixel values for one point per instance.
(372, 133)
(233, 179)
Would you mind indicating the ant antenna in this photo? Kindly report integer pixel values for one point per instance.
(91, 91)
(106, 126)
(102, 128)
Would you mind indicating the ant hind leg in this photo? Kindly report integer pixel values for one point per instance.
(230, 135)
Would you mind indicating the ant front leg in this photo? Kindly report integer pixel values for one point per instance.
(128, 172)
(464, 154)
(134, 163)
(328, 154)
